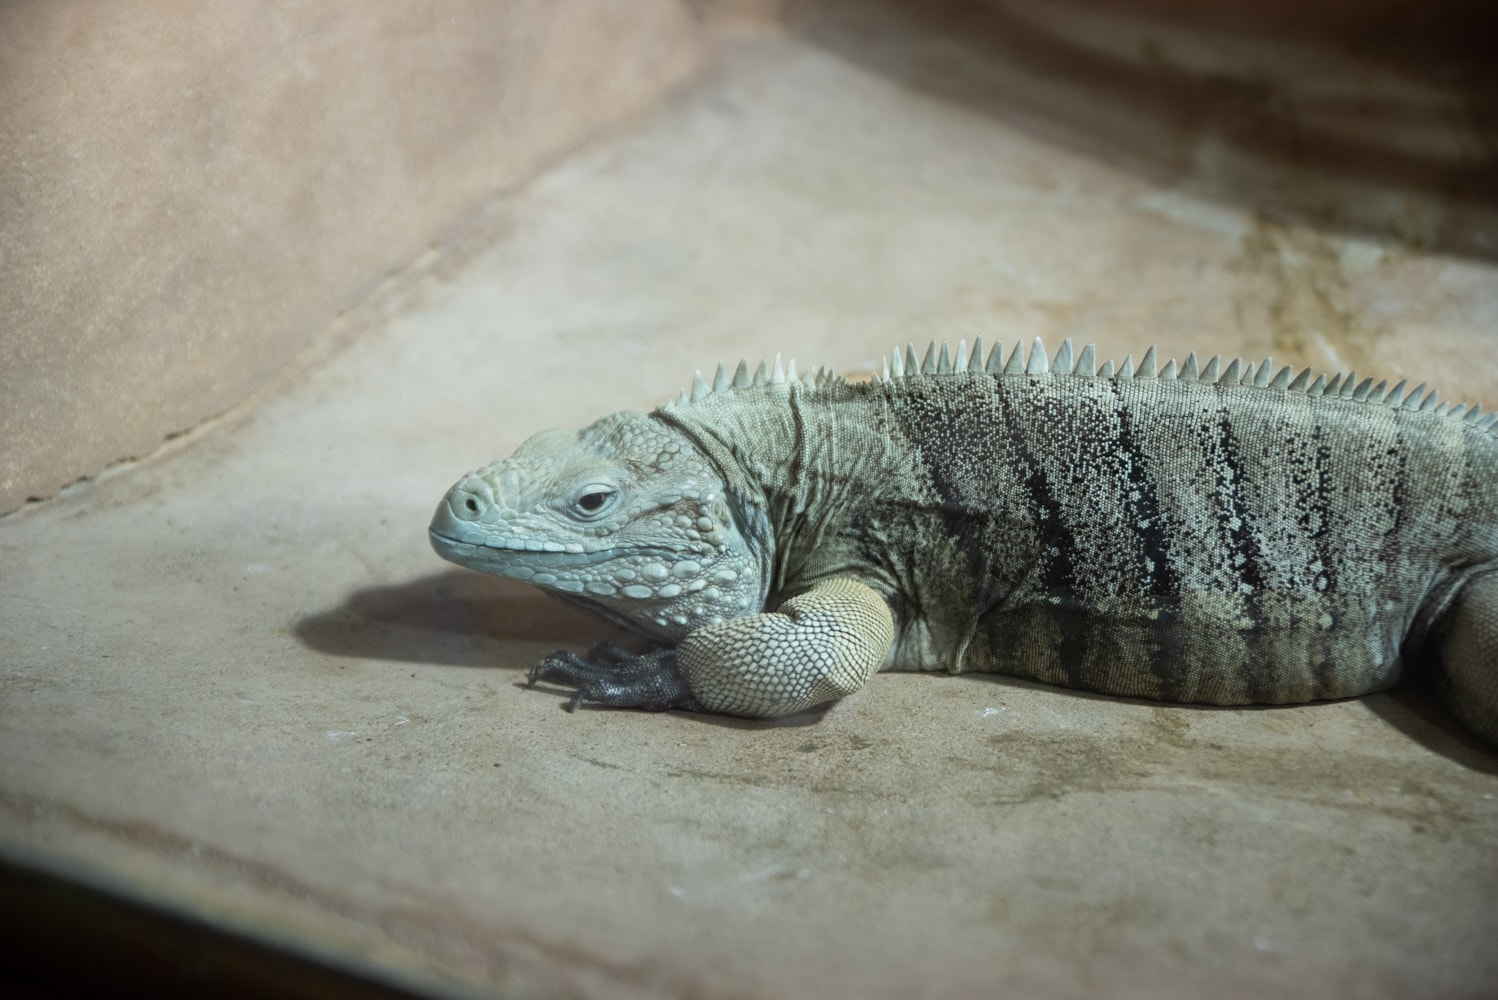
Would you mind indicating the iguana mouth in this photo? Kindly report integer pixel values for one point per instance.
(534, 547)
(553, 556)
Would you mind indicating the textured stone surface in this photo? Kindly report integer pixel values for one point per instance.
(191, 192)
(236, 675)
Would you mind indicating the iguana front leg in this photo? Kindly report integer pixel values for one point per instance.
(818, 646)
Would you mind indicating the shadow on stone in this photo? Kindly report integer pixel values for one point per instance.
(460, 618)
(810, 717)
(464, 619)
(1413, 709)
(457, 618)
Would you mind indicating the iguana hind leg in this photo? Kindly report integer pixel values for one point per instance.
(818, 646)
(1468, 638)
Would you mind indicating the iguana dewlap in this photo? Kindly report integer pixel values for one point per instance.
(1220, 534)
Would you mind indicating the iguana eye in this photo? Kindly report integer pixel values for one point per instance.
(594, 500)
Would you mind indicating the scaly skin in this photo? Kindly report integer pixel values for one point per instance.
(1212, 535)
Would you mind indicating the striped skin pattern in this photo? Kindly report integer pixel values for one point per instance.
(1220, 534)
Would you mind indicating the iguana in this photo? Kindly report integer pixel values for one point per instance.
(1220, 533)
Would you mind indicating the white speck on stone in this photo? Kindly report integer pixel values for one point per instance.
(339, 735)
(255, 568)
(989, 712)
(401, 720)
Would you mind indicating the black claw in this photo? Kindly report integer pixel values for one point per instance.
(550, 666)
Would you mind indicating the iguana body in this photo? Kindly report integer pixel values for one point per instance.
(1219, 535)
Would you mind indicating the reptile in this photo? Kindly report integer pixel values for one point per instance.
(1221, 533)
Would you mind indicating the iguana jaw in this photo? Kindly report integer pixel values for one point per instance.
(657, 591)
(510, 557)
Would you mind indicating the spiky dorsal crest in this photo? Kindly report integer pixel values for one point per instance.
(941, 359)
(768, 373)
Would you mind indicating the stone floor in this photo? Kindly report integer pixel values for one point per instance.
(235, 680)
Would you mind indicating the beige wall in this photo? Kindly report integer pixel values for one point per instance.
(190, 191)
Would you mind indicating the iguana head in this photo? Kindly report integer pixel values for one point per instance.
(626, 518)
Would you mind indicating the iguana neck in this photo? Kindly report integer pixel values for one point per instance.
(755, 504)
(786, 454)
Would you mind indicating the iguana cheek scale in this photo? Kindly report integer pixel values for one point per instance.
(1220, 534)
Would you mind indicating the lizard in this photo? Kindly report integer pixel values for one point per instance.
(1223, 533)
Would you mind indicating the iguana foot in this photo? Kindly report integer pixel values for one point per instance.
(612, 675)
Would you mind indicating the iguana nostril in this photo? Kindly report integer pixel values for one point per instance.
(466, 506)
